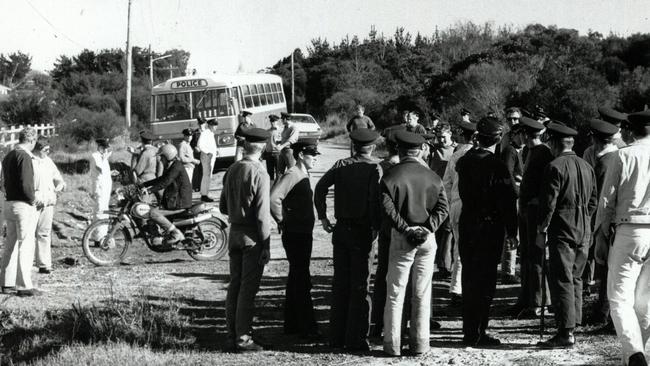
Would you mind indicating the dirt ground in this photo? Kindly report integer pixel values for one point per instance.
(201, 287)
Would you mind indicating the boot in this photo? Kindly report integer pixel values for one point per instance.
(174, 235)
(564, 339)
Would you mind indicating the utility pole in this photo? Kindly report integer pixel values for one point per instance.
(292, 83)
(151, 61)
(129, 62)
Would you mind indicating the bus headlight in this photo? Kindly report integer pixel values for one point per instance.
(226, 139)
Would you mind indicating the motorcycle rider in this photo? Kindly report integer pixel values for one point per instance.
(177, 192)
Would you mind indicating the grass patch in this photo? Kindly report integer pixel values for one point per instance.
(138, 321)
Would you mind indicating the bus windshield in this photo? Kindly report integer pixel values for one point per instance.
(207, 103)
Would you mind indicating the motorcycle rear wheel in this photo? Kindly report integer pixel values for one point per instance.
(215, 241)
(112, 247)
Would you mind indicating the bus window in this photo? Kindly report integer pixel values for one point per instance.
(172, 106)
(260, 91)
(248, 100)
(234, 94)
(222, 99)
(256, 97)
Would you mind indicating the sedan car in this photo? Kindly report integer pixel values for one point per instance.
(307, 125)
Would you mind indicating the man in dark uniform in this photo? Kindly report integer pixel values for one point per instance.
(615, 118)
(245, 124)
(357, 211)
(567, 201)
(293, 208)
(488, 214)
(603, 137)
(537, 157)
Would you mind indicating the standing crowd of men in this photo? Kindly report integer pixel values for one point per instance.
(465, 206)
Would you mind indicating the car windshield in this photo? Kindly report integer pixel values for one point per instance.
(303, 119)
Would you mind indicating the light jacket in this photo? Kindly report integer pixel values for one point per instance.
(101, 172)
(625, 197)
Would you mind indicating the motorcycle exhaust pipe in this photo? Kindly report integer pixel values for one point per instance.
(193, 220)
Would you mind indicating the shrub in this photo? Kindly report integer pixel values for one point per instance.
(85, 125)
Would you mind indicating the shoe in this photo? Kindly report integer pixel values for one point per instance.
(249, 346)
(470, 342)
(487, 340)
(206, 199)
(433, 325)
(364, 347)
(637, 359)
(9, 290)
(29, 293)
(44, 270)
(515, 310)
(175, 236)
(531, 313)
(230, 346)
(558, 341)
(442, 274)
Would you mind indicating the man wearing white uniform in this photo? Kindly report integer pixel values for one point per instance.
(100, 172)
(625, 206)
(47, 182)
(207, 146)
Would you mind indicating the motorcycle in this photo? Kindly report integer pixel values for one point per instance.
(205, 231)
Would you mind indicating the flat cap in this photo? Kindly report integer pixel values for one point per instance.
(467, 126)
(639, 118)
(246, 113)
(146, 135)
(285, 115)
(409, 140)
(187, 132)
(213, 122)
(559, 129)
(306, 146)
(530, 124)
(102, 142)
(489, 126)
(273, 117)
(201, 120)
(602, 128)
(255, 134)
(464, 112)
(364, 136)
(611, 115)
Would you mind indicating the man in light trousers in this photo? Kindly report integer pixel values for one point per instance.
(625, 208)
(21, 217)
(207, 146)
(415, 202)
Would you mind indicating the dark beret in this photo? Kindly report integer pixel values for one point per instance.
(213, 122)
(489, 126)
(467, 126)
(187, 132)
(146, 135)
(273, 117)
(285, 115)
(255, 134)
(101, 142)
(559, 129)
(246, 113)
(409, 140)
(530, 124)
(611, 115)
(639, 118)
(306, 146)
(364, 136)
(602, 128)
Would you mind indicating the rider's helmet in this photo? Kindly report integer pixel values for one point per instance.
(168, 151)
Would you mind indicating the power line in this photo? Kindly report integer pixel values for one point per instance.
(53, 27)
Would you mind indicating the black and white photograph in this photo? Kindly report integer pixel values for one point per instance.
(325, 182)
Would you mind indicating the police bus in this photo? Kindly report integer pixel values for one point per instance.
(177, 103)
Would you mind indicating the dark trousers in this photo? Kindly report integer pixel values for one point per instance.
(350, 311)
(602, 306)
(379, 290)
(197, 176)
(271, 164)
(480, 252)
(566, 264)
(532, 259)
(298, 306)
(444, 242)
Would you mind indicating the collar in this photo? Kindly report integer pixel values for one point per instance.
(608, 149)
(20, 147)
(565, 153)
(643, 141)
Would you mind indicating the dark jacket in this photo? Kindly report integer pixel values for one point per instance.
(177, 186)
(292, 202)
(413, 195)
(356, 190)
(18, 173)
(487, 192)
(567, 199)
(512, 159)
(536, 160)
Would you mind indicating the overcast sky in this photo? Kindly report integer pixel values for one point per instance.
(221, 35)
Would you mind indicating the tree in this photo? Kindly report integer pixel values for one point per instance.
(14, 67)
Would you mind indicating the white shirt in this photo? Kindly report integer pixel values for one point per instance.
(207, 143)
(100, 171)
(47, 180)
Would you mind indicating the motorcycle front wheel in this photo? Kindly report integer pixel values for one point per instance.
(214, 241)
(106, 241)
